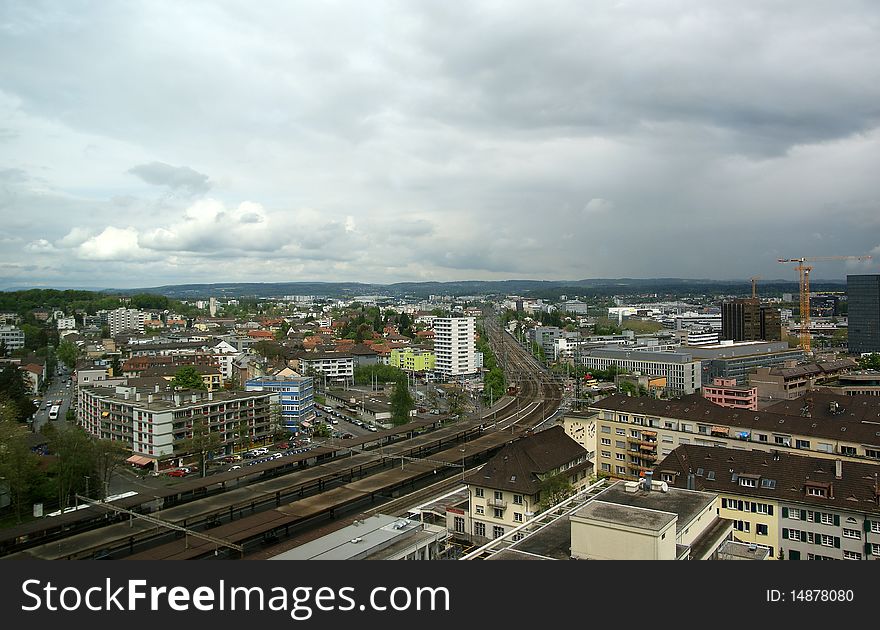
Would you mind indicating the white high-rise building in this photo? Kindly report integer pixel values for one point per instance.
(125, 319)
(455, 345)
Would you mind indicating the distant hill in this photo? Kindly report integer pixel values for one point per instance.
(537, 288)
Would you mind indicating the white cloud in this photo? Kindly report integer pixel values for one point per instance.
(598, 206)
(113, 244)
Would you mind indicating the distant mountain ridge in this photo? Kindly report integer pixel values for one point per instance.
(537, 288)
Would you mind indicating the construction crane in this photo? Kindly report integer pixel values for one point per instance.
(804, 271)
(754, 280)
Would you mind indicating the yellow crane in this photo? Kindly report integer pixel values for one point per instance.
(804, 271)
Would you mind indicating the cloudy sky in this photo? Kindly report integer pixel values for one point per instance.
(145, 143)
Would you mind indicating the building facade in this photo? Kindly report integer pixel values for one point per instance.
(454, 346)
(725, 392)
(732, 359)
(682, 372)
(122, 319)
(748, 320)
(152, 423)
(296, 397)
(799, 508)
(863, 299)
(12, 338)
(413, 359)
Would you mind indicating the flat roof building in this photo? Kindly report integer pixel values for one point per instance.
(863, 312)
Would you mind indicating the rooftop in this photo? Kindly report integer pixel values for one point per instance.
(779, 476)
(687, 504)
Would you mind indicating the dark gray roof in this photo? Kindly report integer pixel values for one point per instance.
(860, 423)
(516, 466)
(780, 476)
(686, 503)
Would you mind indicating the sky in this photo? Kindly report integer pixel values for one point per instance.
(149, 143)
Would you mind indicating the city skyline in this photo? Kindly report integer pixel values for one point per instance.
(152, 144)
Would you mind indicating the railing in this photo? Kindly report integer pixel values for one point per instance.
(496, 503)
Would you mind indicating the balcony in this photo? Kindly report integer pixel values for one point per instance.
(641, 442)
(496, 503)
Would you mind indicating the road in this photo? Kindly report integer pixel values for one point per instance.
(57, 390)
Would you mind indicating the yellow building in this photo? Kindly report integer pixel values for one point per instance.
(412, 359)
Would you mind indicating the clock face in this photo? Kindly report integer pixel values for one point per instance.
(592, 429)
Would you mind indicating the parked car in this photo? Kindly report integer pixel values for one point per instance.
(236, 467)
(180, 472)
(373, 429)
(347, 436)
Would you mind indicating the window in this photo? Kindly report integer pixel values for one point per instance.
(872, 453)
(459, 524)
(802, 443)
(703, 429)
(606, 442)
(852, 533)
(619, 444)
(852, 555)
(762, 437)
(875, 549)
(686, 428)
(606, 454)
(815, 492)
(478, 492)
(606, 467)
(768, 483)
(710, 476)
(794, 514)
(875, 527)
(684, 441)
(811, 556)
(782, 440)
(517, 517)
(479, 509)
(666, 439)
(479, 529)
(606, 429)
(498, 513)
(848, 450)
(760, 529)
(620, 431)
(741, 526)
(827, 541)
(517, 499)
(762, 508)
(621, 470)
(793, 534)
(497, 531)
(518, 536)
(499, 495)
(826, 519)
(621, 456)
(748, 483)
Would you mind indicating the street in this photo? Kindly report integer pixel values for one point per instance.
(57, 390)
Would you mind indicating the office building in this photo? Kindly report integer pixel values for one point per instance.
(863, 299)
(12, 338)
(736, 359)
(455, 345)
(748, 320)
(681, 370)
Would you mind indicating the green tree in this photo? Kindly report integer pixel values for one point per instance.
(68, 353)
(281, 333)
(15, 391)
(322, 430)
(74, 460)
(203, 442)
(404, 324)
(552, 490)
(243, 435)
(18, 465)
(870, 362)
(455, 400)
(188, 377)
(271, 350)
(401, 403)
(109, 455)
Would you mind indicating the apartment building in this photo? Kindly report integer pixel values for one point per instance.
(506, 491)
(12, 338)
(333, 365)
(799, 508)
(455, 345)
(725, 392)
(413, 359)
(633, 434)
(152, 422)
(296, 396)
(122, 319)
(681, 370)
(210, 374)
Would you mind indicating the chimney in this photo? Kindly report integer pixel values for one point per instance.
(137, 397)
(125, 395)
(838, 469)
(648, 478)
(149, 398)
(195, 397)
(156, 390)
(177, 400)
(210, 395)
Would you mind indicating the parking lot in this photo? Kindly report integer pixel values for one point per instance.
(346, 423)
